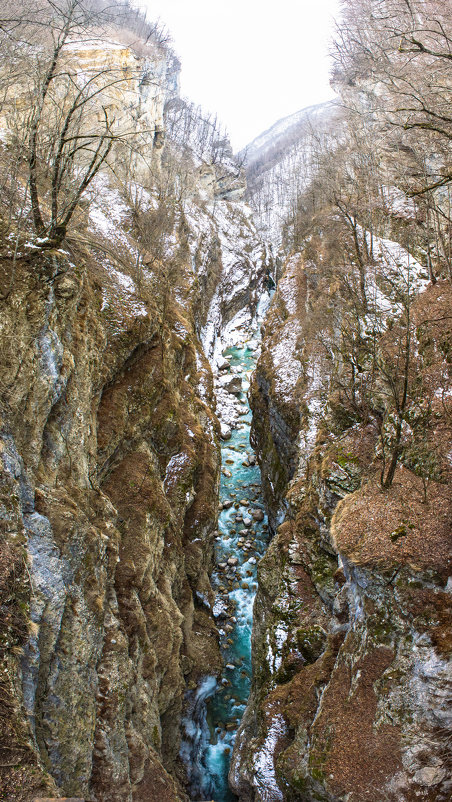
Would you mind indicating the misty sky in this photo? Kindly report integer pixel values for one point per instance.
(250, 61)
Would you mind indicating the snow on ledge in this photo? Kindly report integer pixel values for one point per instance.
(264, 772)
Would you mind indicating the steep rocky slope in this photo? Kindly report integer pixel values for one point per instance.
(110, 478)
(352, 639)
(110, 457)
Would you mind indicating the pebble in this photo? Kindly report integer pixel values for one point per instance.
(233, 561)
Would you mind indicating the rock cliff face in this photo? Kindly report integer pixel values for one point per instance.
(110, 468)
(109, 458)
(352, 638)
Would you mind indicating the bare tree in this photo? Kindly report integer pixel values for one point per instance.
(72, 124)
(393, 64)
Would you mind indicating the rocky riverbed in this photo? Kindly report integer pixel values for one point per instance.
(215, 708)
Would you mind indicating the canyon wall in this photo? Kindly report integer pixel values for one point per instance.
(351, 644)
(110, 455)
(110, 467)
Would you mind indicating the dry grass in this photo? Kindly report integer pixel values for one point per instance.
(396, 527)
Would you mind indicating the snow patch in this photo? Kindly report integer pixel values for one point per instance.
(264, 771)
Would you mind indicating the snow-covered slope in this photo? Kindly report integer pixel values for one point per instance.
(278, 163)
(260, 146)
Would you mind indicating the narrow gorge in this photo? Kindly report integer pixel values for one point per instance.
(225, 422)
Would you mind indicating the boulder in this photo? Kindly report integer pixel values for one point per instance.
(222, 363)
(226, 432)
(233, 384)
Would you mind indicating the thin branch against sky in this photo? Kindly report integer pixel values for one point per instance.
(249, 61)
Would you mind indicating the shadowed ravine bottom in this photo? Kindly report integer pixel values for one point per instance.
(215, 708)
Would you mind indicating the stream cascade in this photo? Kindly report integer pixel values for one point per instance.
(215, 708)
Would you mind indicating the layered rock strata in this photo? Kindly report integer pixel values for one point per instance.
(352, 624)
(110, 470)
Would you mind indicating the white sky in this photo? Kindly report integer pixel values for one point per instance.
(250, 61)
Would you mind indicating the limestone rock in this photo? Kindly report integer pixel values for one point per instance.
(258, 515)
(339, 614)
(226, 432)
(223, 364)
(233, 384)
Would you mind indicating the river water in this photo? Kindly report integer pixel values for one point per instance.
(215, 709)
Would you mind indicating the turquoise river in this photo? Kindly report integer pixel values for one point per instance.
(215, 709)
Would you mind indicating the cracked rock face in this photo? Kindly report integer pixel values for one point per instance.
(103, 453)
(109, 501)
(352, 636)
